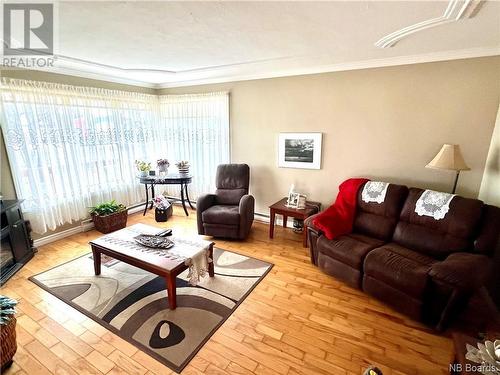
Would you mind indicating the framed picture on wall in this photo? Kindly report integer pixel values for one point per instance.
(299, 150)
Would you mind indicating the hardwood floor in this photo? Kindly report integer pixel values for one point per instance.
(297, 321)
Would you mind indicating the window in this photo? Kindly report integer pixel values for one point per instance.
(73, 147)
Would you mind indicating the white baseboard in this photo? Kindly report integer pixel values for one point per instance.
(84, 226)
(135, 209)
(87, 225)
(263, 218)
(59, 235)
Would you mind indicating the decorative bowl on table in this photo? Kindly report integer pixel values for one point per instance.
(153, 241)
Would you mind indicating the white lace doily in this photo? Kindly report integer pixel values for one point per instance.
(374, 191)
(434, 204)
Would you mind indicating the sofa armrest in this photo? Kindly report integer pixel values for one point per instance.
(308, 223)
(465, 271)
(203, 203)
(247, 209)
(313, 233)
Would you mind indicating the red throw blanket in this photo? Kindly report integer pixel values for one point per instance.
(338, 219)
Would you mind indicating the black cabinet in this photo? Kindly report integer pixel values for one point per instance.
(16, 247)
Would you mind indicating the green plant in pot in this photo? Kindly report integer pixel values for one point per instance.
(143, 167)
(8, 344)
(183, 166)
(109, 216)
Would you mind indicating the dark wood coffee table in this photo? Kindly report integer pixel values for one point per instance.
(302, 214)
(118, 245)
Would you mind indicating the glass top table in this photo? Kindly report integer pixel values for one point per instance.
(171, 179)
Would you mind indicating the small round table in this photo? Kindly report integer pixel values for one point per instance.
(172, 179)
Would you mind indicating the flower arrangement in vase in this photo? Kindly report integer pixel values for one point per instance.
(163, 165)
(183, 166)
(143, 167)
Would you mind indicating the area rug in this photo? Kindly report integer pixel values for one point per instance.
(133, 303)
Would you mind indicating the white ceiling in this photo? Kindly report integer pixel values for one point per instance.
(162, 44)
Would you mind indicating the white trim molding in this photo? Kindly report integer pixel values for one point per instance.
(262, 72)
(455, 11)
(85, 226)
(341, 67)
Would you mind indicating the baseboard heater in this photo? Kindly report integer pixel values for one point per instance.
(87, 224)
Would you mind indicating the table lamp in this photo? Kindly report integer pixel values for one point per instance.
(449, 157)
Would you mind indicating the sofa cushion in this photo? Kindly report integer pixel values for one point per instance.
(379, 219)
(222, 230)
(399, 267)
(341, 271)
(438, 238)
(221, 214)
(394, 297)
(349, 249)
(229, 196)
(232, 181)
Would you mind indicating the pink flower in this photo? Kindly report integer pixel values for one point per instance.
(161, 202)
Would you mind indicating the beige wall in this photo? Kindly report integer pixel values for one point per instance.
(490, 186)
(384, 123)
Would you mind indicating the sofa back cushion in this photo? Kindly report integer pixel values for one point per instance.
(438, 238)
(379, 219)
(232, 182)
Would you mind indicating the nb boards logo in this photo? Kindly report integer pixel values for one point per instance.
(28, 35)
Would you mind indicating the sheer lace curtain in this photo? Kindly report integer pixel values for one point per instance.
(73, 147)
(196, 129)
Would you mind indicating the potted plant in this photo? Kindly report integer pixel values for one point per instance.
(109, 216)
(163, 165)
(143, 168)
(183, 166)
(8, 344)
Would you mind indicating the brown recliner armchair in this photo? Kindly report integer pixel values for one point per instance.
(229, 212)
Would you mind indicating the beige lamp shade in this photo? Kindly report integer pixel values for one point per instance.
(449, 157)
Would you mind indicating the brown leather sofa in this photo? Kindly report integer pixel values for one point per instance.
(228, 213)
(423, 267)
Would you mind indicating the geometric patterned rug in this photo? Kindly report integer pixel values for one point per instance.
(133, 303)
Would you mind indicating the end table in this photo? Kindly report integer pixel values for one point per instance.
(302, 214)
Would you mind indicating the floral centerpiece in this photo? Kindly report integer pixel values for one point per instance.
(163, 165)
(8, 345)
(143, 167)
(183, 166)
(163, 208)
